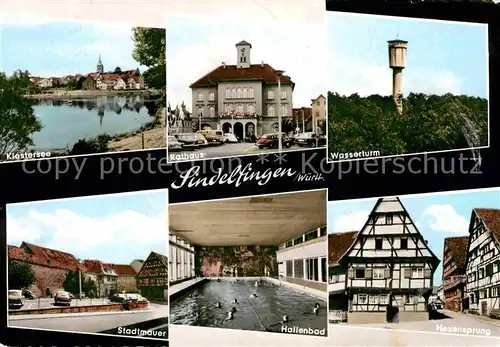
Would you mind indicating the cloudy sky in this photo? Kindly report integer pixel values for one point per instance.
(54, 48)
(443, 57)
(196, 45)
(437, 216)
(112, 228)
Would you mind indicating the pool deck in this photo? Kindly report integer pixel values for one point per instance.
(178, 288)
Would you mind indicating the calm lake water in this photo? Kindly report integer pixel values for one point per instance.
(67, 121)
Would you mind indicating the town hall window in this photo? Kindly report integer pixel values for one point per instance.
(250, 92)
(212, 111)
(388, 220)
(211, 96)
(404, 243)
(283, 94)
(359, 274)
(238, 93)
(251, 109)
(228, 93)
(378, 243)
(270, 95)
(270, 110)
(200, 96)
(233, 93)
(245, 93)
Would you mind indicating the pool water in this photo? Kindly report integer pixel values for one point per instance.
(261, 313)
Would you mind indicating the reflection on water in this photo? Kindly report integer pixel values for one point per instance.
(261, 313)
(65, 121)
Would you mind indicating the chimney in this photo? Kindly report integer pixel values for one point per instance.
(262, 63)
(224, 64)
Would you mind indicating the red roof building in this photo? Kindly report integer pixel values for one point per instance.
(243, 98)
(454, 278)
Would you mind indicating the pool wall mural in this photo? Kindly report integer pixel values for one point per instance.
(236, 261)
(252, 263)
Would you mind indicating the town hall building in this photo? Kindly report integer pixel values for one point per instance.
(242, 99)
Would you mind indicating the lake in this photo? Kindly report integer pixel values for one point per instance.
(67, 121)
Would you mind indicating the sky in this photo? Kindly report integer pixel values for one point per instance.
(54, 48)
(442, 57)
(437, 216)
(112, 228)
(196, 45)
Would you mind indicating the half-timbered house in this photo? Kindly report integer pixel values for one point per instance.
(389, 256)
(483, 261)
(152, 279)
(454, 279)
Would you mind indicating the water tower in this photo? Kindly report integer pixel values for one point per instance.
(397, 62)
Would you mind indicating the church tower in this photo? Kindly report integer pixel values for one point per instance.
(243, 54)
(100, 67)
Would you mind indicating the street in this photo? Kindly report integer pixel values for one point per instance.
(226, 150)
(89, 322)
(49, 302)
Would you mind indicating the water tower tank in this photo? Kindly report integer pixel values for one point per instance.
(397, 54)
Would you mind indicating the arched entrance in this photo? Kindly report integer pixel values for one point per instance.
(226, 128)
(238, 130)
(249, 129)
(274, 128)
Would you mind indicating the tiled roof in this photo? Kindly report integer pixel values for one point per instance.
(458, 249)
(162, 258)
(37, 255)
(123, 270)
(93, 266)
(338, 244)
(226, 73)
(491, 219)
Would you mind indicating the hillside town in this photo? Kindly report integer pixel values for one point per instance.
(50, 269)
(99, 80)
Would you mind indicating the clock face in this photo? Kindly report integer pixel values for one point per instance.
(242, 50)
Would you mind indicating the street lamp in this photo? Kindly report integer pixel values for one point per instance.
(279, 73)
(79, 279)
(199, 121)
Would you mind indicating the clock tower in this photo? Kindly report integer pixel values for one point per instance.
(243, 54)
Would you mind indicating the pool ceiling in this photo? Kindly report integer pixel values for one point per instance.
(259, 220)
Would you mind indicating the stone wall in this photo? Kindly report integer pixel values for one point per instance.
(46, 277)
(235, 260)
(80, 309)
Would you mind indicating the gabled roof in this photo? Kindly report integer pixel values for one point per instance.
(319, 96)
(163, 259)
(338, 244)
(491, 219)
(256, 72)
(457, 247)
(43, 256)
(123, 269)
(401, 209)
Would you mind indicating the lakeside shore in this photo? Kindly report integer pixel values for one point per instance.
(77, 94)
(154, 137)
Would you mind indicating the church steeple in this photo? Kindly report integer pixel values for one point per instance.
(100, 67)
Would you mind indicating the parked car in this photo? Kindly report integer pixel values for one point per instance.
(28, 294)
(271, 141)
(16, 299)
(62, 298)
(189, 141)
(202, 138)
(118, 298)
(251, 138)
(174, 144)
(213, 136)
(230, 138)
(310, 139)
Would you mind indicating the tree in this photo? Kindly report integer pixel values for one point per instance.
(427, 123)
(72, 283)
(117, 69)
(17, 119)
(149, 50)
(20, 275)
